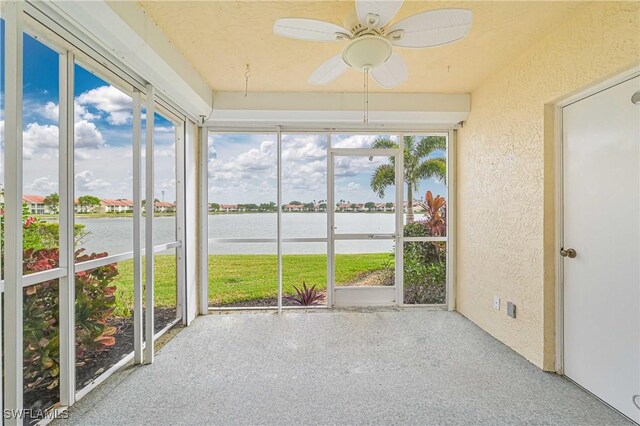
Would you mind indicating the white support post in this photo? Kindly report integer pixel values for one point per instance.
(13, 343)
(149, 214)
(331, 209)
(203, 236)
(399, 240)
(180, 222)
(191, 211)
(279, 213)
(451, 220)
(66, 284)
(137, 230)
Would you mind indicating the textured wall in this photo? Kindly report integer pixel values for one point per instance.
(505, 173)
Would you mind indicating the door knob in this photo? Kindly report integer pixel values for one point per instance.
(571, 253)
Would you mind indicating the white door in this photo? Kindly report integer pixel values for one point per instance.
(357, 230)
(601, 178)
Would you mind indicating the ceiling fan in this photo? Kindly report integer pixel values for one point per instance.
(370, 42)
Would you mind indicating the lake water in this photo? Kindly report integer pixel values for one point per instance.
(115, 235)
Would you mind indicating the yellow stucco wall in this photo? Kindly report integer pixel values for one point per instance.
(505, 165)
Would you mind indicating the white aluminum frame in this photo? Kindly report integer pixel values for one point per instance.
(450, 239)
(137, 229)
(66, 283)
(24, 18)
(279, 215)
(331, 237)
(203, 219)
(374, 295)
(149, 215)
(559, 202)
(180, 137)
(13, 293)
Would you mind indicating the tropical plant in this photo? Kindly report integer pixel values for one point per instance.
(435, 212)
(305, 296)
(420, 162)
(94, 305)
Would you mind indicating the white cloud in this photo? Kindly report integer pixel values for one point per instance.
(86, 182)
(355, 141)
(42, 185)
(41, 138)
(87, 135)
(353, 187)
(108, 99)
(51, 111)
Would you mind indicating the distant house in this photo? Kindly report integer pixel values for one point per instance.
(120, 205)
(343, 207)
(360, 208)
(164, 207)
(79, 208)
(294, 207)
(35, 204)
(381, 207)
(320, 208)
(229, 208)
(417, 206)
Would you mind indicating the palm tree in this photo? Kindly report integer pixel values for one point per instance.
(419, 163)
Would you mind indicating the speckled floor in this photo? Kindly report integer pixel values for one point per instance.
(412, 366)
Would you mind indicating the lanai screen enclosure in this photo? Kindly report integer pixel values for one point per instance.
(162, 161)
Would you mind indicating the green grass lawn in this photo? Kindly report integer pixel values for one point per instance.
(238, 278)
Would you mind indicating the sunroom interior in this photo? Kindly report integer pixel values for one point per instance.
(478, 196)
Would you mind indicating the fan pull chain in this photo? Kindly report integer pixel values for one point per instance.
(366, 96)
(246, 81)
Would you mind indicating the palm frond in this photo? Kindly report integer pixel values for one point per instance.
(383, 142)
(427, 145)
(433, 168)
(383, 177)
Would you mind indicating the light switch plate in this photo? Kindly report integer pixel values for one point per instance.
(511, 309)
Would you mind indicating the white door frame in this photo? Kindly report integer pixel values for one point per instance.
(366, 295)
(559, 200)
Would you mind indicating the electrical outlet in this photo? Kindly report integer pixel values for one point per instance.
(496, 302)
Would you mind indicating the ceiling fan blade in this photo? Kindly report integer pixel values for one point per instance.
(392, 72)
(385, 9)
(433, 28)
(309, 29)
(328, 71)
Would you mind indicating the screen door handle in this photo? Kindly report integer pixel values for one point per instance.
(381, 236)
(570, 253)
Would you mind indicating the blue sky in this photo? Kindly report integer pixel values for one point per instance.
(242, 168)
(103, 132)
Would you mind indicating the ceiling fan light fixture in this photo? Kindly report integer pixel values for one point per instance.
(367, 52)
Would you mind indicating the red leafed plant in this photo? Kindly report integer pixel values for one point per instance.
(95, 302)
(306, 296)
(434, 210)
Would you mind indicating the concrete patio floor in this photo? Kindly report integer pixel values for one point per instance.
(390, 366)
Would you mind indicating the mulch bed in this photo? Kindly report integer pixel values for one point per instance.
(93, 364)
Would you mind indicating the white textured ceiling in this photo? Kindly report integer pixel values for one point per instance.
(220, 38)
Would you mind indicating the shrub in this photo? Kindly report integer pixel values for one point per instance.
(424, 283)
(94, 305)
(425, 262)
(305, 296)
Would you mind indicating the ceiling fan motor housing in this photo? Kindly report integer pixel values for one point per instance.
(367, 52)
